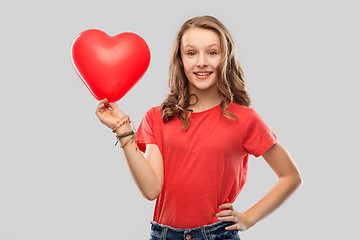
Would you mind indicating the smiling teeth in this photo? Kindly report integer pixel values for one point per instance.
(203, 74)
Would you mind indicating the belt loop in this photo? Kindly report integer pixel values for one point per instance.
(163, 234)
(205, 232)
(208, 233)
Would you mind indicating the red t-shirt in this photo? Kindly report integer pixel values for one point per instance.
(206, 165)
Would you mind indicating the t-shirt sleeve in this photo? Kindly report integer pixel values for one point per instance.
(257, 135)
(145, 133)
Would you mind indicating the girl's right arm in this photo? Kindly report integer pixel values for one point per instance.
(148, 170)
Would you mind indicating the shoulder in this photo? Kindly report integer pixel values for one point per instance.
(154, 113)
(239, 110)
(246, 114)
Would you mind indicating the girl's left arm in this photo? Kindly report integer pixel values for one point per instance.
(282, 164)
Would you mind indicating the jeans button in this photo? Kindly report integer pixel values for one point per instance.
(188, 237)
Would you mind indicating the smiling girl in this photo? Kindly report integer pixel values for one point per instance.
(197, 143)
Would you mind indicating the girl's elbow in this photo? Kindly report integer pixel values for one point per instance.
(152, 195)
(294, 181)
(151, 190)
(297, 180)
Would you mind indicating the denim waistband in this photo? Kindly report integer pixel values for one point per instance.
(160, 232)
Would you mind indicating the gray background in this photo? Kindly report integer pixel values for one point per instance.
(61, 176)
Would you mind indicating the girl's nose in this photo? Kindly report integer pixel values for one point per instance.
(202, 60)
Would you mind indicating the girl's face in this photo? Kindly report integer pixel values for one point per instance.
(201, 55)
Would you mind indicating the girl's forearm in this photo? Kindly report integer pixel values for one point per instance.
(284, 187)
(145, 178)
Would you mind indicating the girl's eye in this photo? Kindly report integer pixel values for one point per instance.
(191, 53)
(212, 53)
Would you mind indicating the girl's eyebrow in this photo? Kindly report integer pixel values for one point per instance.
(214, 44)
(211, 45)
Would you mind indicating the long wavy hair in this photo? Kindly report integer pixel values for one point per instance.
(230, 82)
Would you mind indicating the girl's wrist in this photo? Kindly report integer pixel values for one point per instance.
(120, 123)
(124, 131)
(251, 219)
(125, 138)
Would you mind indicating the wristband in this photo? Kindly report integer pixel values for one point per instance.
(125, 135)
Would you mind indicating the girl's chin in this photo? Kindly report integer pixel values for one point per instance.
(203, 87)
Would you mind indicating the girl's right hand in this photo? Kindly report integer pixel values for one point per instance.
(108, 113)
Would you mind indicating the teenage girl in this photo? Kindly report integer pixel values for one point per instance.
(197, 143)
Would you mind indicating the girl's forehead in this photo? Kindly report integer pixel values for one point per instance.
(200, 37)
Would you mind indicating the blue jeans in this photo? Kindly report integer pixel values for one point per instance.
(214, 231)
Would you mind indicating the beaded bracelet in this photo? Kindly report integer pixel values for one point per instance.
(119, 123)
(122, 135)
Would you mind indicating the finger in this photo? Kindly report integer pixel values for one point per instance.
(224, 213)
(238, 227)
(106, 103)
(102, 104)
(101, 107)
(103, 101)
(99, 110)
(242, 227)
(232, 227)
(113, 105)
(226, 206)
(227, 219)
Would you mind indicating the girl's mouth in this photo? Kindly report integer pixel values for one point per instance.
(202, 73)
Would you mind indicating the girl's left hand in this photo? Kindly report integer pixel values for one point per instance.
(241, 220)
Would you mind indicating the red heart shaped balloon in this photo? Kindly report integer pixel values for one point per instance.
(109, 66)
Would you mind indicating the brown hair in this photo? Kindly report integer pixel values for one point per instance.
(230, 82)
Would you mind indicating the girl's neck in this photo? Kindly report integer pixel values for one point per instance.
(205, 100)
